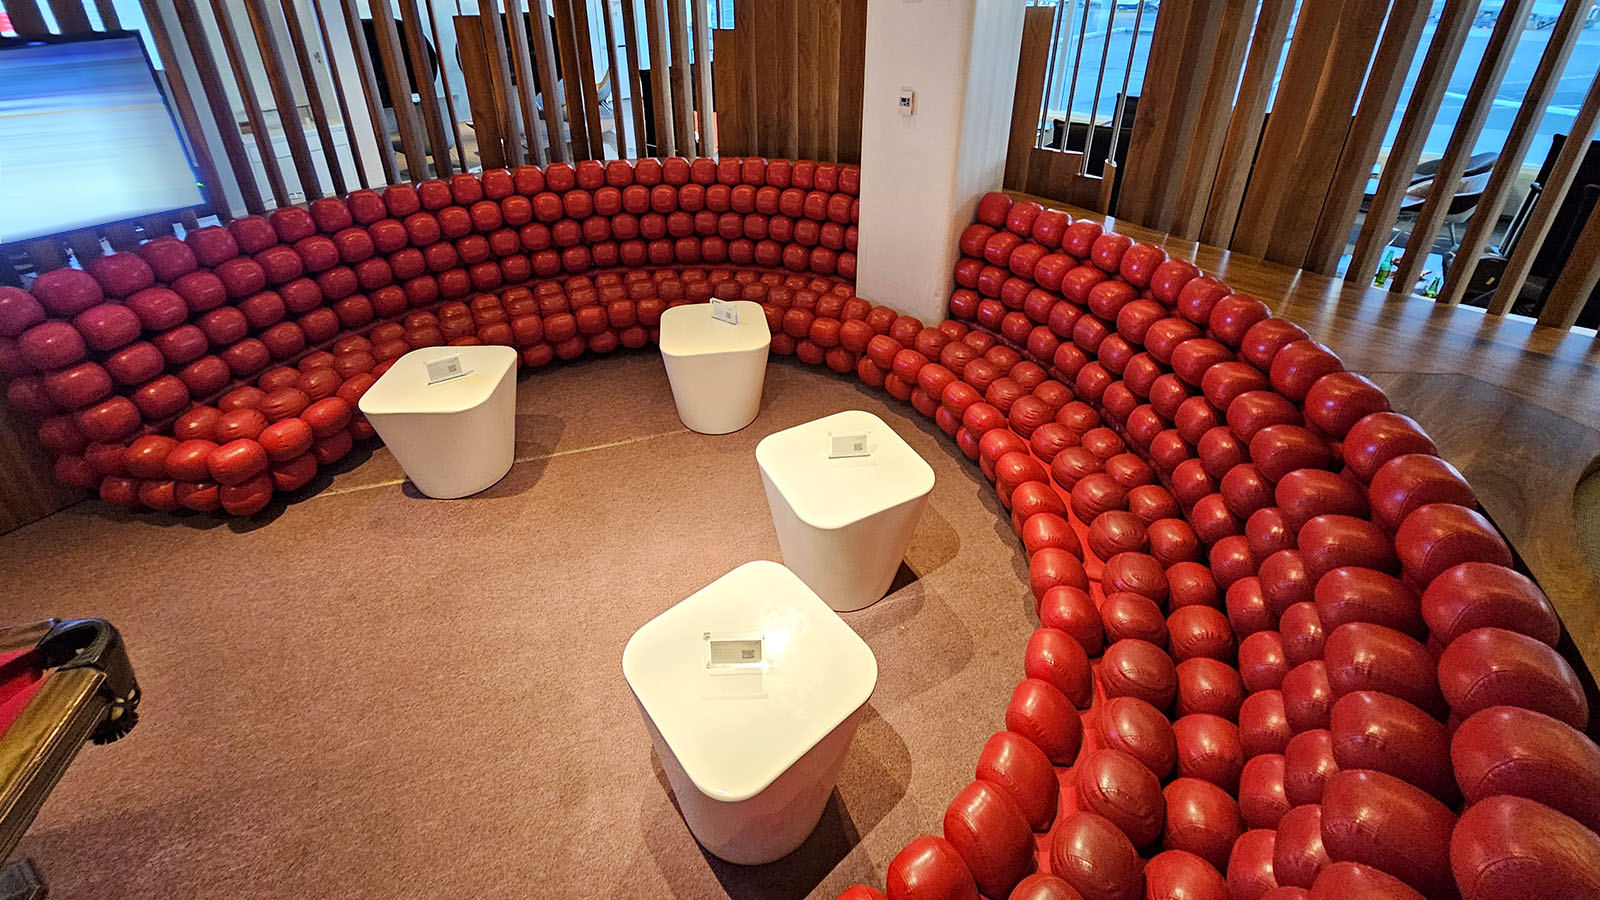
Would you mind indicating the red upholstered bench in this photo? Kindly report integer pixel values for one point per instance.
(212, 372)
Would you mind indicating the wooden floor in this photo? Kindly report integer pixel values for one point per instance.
(1516, 407)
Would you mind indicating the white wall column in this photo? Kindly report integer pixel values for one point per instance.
(922, 175)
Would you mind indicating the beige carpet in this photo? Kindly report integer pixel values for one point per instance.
(374, 694)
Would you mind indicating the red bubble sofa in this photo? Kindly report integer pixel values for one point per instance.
(210, 372)
(1280, 655)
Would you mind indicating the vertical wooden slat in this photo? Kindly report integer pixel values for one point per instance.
(522, 72)
(1222, 83)
(500, 75)
(1245, 125)
(252, 107)
(630, 36)
(777, 106)
(190, 118)
(807, 80)
(586, 79)
(1474, 112)
(70, 17)
(369, 88)
(828, 26)
(1438, 61)
(411, 27)
(852, 75)
(682, 83)
(566, 45)
(1378, 99)
(704, 95)
(1037, 22)
(319, 111)
(449, 95)
(731, 124)
(1563, 37)
(85, 246)
(1278, 165)
(618, 80)
(122, 236)
(1186, 38)
(46, 255)
(1327, 129)
(283, 98)
(660, 77)
(1551, 195)
(1577, 279)
(156, 226)
(480, 91)
(26, 20)
(544, 59)
(399, 81)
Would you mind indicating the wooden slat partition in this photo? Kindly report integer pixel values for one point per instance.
(631, 37)
(1407, 19)
(655, 15)
(216, 99)
(1439, 59)
(252, 106)
(1037, 25)
(1245, 125)
(682, 82)
(108, 15)
(500, 75)
(449, 95)
(618, 80)
(319, 111)
(70, 17)
(567, 46)
(852, 76)
(585, 76)
(1577, 279)
(1562, 175)
(189, 117)
(544, 58)
(399, 81)
(1563, 37)
(283, 98)
(1221, 84)
(433, 127)
(26, 20)
(522, 72)
(480, 91)
(1474, 112)
(369, 87)
(705, 95)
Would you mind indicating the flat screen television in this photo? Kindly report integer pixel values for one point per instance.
(86, 137)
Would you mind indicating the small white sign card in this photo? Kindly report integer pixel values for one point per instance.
(842, 446)
(723, 311)
(446, 369)
(734, 650)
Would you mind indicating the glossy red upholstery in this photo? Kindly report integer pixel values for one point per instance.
(1365, 698)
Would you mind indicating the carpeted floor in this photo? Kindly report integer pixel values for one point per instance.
(373, 694)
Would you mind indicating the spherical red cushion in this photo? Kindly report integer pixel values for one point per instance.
(1298, 855)
(988, 829)
(1354, 594)
(1261, 798)
(1379, 437)
(1330, 541)
(929, 868)
(1510, 848)
(1040, 886)
(1412, 480)
(1014, 764)
(1071, 610)
(1479, 594)
(1304, 494)
(1250, 865)
(1494, 667)
(1262, 666)
(1116, 785)
(1054, 656)
(1178, 875)
(1134, 668)
(1378, 820)
(1263, 723)
(1210, 686)
(1307, 696)
(1046, 717)
(1361, 656)
(1340, 399)
(1140, 730)
(1509, 750)
(1372, 730)
(1209, 749)
(1200, 818)
(1200, 631)
(1090, 853)
(1138, 573)
(1129, 615)
(1307, 764)
(1344, 880)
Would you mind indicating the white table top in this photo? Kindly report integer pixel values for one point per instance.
(735, 730)
(405, 388)
(690, 331)
(833, 493)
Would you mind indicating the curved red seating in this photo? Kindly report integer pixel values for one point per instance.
(1275, 634)
(212, 372)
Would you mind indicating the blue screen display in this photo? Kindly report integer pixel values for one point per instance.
(85, 139)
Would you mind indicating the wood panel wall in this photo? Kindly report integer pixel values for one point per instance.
(1261, 122)
(788, 79)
